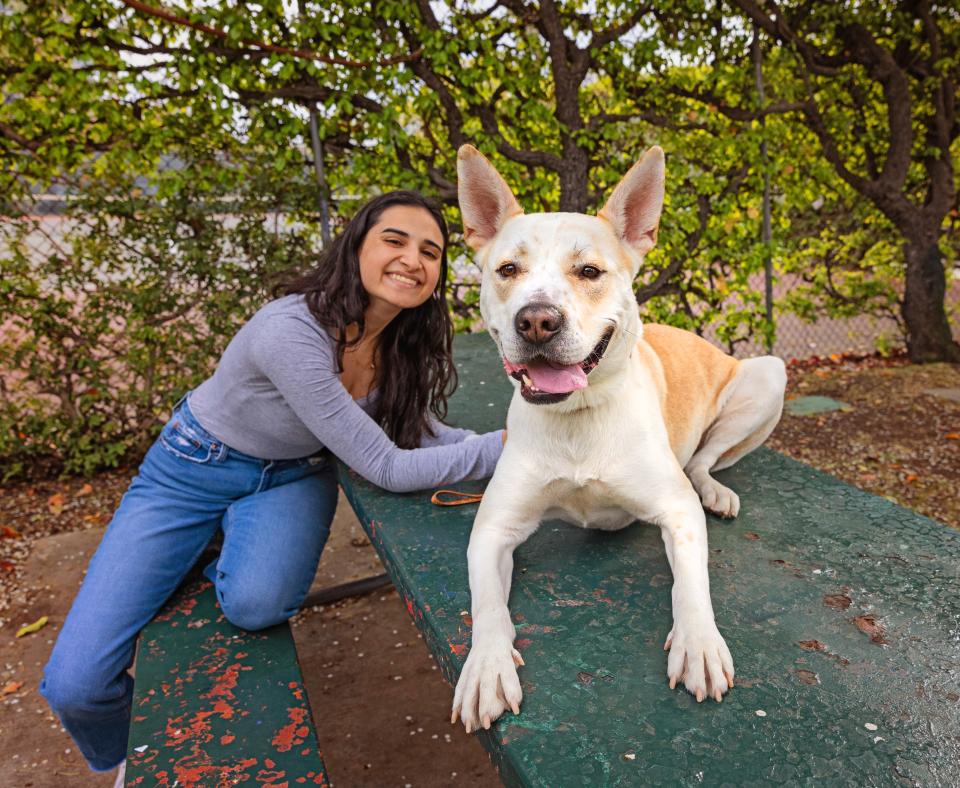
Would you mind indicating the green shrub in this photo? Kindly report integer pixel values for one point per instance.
(117, 307)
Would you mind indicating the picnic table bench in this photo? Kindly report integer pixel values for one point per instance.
(841, 610)
(216, 705)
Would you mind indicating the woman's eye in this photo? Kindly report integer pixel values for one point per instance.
(590, 272)
(507, 270)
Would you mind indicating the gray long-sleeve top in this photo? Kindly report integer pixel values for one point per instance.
(276, 395)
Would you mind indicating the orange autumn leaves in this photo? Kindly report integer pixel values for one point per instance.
(57, 501)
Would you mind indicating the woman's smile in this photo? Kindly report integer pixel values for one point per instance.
(403, 280)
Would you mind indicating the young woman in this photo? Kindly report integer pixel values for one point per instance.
(353, 362)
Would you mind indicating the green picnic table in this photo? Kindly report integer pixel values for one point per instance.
(841, 610)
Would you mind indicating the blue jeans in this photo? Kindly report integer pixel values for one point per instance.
(275, 517)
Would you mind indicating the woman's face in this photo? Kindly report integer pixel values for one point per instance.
(400, 258)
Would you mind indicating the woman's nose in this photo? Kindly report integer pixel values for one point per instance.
(409, 258)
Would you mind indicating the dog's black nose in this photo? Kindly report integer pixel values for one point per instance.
(538, 323)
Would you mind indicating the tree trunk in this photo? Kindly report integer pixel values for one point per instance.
(574, 178)
(928, 332)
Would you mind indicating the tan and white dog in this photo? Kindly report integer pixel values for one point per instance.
(611, 421)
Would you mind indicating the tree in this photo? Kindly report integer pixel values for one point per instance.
(876, 84)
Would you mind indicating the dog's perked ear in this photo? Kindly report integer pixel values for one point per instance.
(635, 205)
(486, 201)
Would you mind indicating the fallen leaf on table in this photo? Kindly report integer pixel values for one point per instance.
(11, 687)
(36, 626)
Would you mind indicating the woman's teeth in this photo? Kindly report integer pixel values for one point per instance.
(406, 280)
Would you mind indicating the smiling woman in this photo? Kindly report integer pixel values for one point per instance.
(353, 361)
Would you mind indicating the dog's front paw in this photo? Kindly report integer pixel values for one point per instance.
(700, 659)
(488, 685)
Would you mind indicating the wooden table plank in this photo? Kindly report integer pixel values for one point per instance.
(841, 609)
(218, 705)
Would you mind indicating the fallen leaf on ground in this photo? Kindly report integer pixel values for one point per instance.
(11, 687)
(9, 533)
(85, 490)
(55, 503)
(36, 626)
(7, 566)
(953, 436)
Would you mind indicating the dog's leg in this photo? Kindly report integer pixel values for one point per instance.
(699, 657)
(488, 684)
(752, 403)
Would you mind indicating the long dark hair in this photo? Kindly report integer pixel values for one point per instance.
(415, 371)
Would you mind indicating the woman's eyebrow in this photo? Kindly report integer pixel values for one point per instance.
(407, 235)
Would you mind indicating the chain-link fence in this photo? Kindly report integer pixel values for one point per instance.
(824, 336)
(795, 337)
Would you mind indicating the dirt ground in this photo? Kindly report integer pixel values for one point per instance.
(380, 704)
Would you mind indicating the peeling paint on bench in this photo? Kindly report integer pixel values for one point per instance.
(216, 705)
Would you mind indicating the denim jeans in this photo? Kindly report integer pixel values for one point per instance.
(275, 517)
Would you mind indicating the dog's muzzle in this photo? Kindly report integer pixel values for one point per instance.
(543, 382)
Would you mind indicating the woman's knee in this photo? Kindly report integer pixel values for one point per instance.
(78, 692)
(250, 609)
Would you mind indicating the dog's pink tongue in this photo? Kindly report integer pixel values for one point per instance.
(557, 379)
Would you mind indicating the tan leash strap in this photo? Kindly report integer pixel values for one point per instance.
(454, 498)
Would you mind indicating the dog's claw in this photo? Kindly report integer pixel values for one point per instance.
(486, 722)
(729, 678)
(673, 682)
(517, 659)
(717, 696)
(701, 695)
(514, 707)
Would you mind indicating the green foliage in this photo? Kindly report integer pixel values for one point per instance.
(136, 301)
(124, 303)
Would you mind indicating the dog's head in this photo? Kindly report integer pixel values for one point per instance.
(556, 292)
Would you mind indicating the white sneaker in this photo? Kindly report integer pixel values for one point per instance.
(121, 774)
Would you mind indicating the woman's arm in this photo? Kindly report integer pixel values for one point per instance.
(297, 359)
(444, 434)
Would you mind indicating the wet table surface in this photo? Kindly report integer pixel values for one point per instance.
(841, 610)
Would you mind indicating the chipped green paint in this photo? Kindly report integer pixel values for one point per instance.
(813, 405)
(842, 612)
(215, 705)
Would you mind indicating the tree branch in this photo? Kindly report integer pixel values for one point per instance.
(305, 54)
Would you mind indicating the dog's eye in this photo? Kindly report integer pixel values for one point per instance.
(507, 270)
(590, 272)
